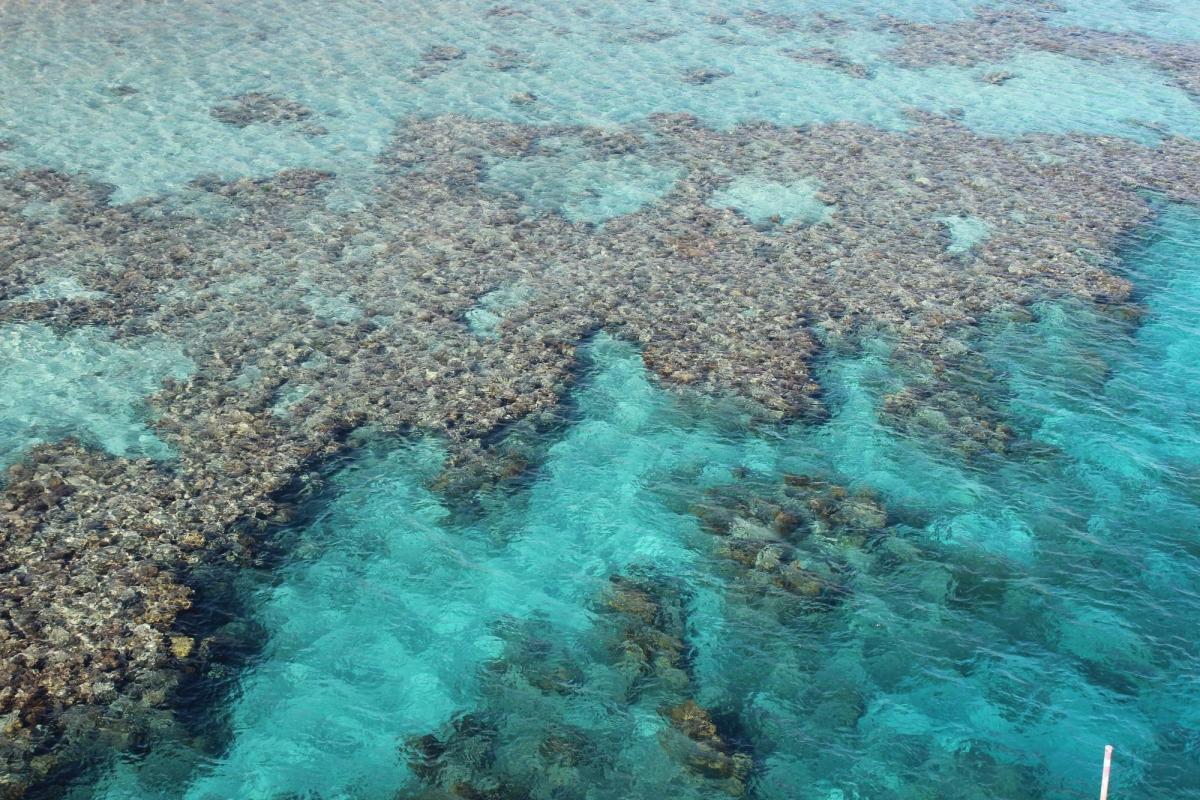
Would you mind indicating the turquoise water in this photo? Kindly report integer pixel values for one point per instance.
(765, 201)
(70, 68)
(1164, 19)
(1007, 618)
(564, 178)
(81, 384)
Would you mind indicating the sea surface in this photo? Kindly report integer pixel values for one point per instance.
(954, 625)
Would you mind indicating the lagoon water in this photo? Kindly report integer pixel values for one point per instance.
(603, 65)
(1011, 614)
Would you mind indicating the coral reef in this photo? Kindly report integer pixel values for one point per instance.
(705, 751)
(506, 59)
(791, 546)
(828, 57)
(266, 288)
(641, 629)
(702, 75)
(264, 108)
(994, 34)
(91, 549)
(650, 624)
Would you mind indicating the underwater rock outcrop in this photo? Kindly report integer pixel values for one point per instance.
(520, 741)
(704, 75)
(828, 57)
(995, 34)
(264, 108)
(696, 740)
(462, 763)
(649, 630)
(791, 544)
(652, 652)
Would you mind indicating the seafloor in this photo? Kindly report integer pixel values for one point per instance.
(614, 400)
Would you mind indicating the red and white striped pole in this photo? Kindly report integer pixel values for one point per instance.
(1107, 769)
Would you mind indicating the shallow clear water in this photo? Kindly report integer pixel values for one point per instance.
(359, 69)
(1013, 616)
(81, 384)
(933, 625)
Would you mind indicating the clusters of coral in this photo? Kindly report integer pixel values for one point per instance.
(993, 35)
(990, 35)
(789, 541)
(264, 108)
(521, 743)
(786, 552)
(831, 58)
(305, 322)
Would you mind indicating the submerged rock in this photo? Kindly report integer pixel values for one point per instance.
(832, 59)
(997, 78)
(444, 52)
(702, 748)
(796, 536)
(701, 75)
(260, 108)
(650, 645)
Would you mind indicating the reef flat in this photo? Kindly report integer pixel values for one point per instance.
(442, 284)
